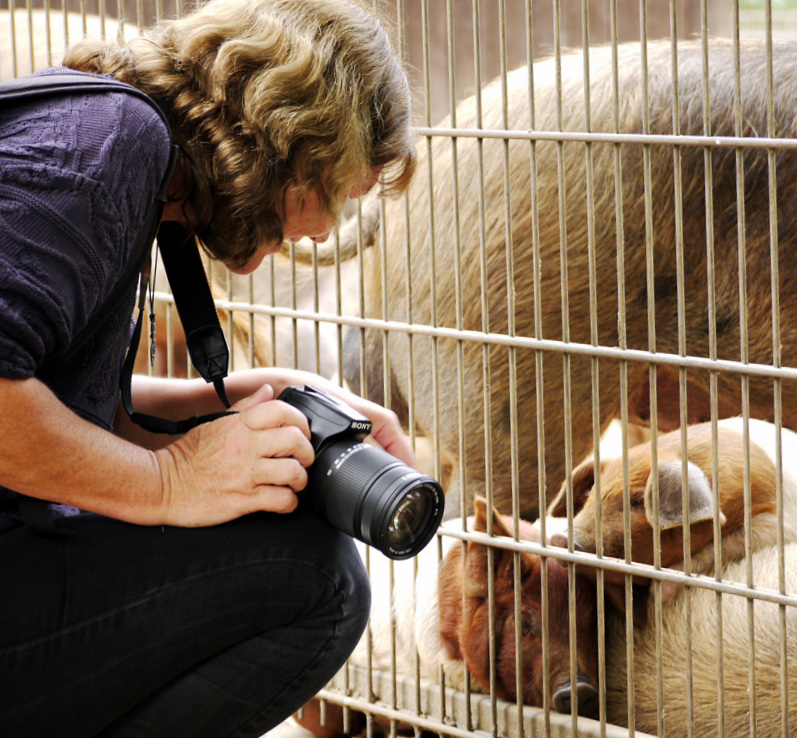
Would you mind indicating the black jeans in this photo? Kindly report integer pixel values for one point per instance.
(122, 630)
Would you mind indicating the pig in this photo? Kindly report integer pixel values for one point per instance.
(764, 517)
(447, 266)
(450, 630)
(439, 609)
(699, 616)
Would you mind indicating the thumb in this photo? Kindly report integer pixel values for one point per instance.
(263, 394)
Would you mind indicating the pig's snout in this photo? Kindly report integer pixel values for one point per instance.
(587, 697)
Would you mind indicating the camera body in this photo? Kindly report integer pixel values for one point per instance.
(360, 489)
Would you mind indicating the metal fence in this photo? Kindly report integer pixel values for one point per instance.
(596, 250)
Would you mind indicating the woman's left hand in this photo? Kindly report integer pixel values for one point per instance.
(386, 431)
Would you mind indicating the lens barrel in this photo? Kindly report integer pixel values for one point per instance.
(371, 495)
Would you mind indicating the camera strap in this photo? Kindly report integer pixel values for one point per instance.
(205, 339)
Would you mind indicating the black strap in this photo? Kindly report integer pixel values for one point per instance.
(204, 336)
(23, 89)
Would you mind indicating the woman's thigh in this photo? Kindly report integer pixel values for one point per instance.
(114, 616)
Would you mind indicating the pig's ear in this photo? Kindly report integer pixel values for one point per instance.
(476, 558)
(671, 510)
(583, 481)
(480, 514)
(480, 522)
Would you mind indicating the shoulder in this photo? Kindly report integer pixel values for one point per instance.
(113, 114)
(81, 129)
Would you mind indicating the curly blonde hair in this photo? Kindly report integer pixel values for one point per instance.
(264, 93)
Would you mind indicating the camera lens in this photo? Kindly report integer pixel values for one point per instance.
(411, 516)
(371, 495)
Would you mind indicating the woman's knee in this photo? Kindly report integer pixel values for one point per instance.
(354, 586)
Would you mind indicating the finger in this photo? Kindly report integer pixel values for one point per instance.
(390, 437)
(275, 414)
(263, 394)
(285, 442)
(272, 498)
(284, 473)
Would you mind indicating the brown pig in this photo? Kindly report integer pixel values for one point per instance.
(439, 609)
(464, 622)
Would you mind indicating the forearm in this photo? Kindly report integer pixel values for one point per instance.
(173, 399)
(50, 453)
(254, 459)
(176, 399)
(180, 398)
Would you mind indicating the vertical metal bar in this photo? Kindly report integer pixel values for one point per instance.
(339, 311)
(170, 339)
(120, 14)
(538, 361)
(708, 188)
(401, 41)
(486, 383)
(65, 18)
(776, 362)
(567, 410)
(48, 38)
(744, 354)
(101, 18)
(317, 296)
(594, 337)
(485, 321)
(12, 21)
(252, 336)
(393, 670)
(682, 349)
(211, 268)
(623, 373)
(432, 249)
(31, 40)
(294, 306)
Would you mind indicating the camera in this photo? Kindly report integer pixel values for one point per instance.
(362, 490)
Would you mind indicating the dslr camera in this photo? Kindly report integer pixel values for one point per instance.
(362, 490)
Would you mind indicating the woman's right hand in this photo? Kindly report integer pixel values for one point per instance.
(255, 459)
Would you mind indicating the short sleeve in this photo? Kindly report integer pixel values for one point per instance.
(78, 173)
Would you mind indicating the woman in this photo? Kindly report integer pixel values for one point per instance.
(191, 597)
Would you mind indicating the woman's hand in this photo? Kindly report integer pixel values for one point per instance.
(253, 460)
(386, 431)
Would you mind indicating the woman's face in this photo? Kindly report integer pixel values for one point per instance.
(306, 218)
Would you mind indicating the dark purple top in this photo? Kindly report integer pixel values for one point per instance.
(78, 173)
